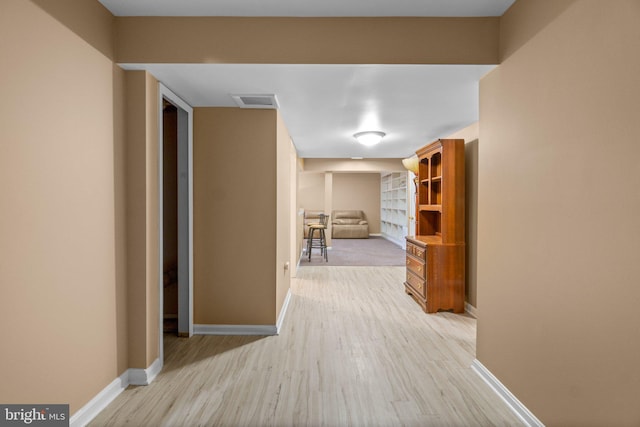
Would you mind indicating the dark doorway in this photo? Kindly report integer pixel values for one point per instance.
(170, 216)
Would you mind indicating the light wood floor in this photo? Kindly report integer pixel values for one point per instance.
(354, 350)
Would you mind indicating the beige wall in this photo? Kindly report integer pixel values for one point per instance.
(359, 191)
(470, 136)
(120, 210)
(295, 225)
(283, 212)
(235, 153)
(315, 193)
(89, 20)
(307, 40)
(311, 191)
(349, 165)
(62, 341)
(142, 217)
(558, 229)
(347, 191)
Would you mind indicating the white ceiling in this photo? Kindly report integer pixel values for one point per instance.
(324, 105)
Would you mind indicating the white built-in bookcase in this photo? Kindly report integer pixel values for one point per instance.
(394, 206)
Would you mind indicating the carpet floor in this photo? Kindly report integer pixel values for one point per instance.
(374, 251)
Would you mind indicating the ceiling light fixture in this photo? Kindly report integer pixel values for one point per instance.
(369, 138)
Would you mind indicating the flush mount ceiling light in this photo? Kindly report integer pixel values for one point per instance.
(369, 138)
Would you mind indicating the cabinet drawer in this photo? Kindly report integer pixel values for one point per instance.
(417, 266)
(416, 283)
(414, 250)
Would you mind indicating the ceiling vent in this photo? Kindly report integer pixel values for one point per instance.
(256, 101)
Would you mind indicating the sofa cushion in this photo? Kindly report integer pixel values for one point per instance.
(346, 221)
(312, 215)
(348, 214)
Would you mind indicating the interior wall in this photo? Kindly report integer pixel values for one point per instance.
(314, 194)
(143, 238)
(296, 223)
(470, 134)
(350, 165)
(328, 204)
(235, 216)
(89, 20)
(62, 341)
(120, 210)
(278, 40)
(558, 229)
(283, 208)
(311, 191)
(152, 217)
(359, 191)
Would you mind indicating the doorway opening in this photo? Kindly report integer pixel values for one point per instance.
(176, 216)
(170, 216)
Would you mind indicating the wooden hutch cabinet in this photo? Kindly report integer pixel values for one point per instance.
(435, 255)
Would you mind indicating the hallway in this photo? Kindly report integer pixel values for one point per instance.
(354, 350)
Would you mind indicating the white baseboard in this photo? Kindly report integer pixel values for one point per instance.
(283, 312)
(88, 412)
(471, 310)
(131, 376)
(235, 330)
(144, 376)
(514, 404)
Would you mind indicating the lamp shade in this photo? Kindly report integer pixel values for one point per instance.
(369, 138)
(411, 164)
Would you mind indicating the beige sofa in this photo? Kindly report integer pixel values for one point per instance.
(349, 224)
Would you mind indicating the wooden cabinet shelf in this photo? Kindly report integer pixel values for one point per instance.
(435, 254)
(436, 208)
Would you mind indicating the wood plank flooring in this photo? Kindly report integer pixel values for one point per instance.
(354, 350)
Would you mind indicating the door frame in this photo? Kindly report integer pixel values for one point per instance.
(185, 215)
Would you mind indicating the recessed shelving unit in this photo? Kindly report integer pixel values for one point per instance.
(394, 207)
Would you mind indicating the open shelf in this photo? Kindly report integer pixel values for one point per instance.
(436, 164)
(430, 223)
(435, 197)
(394, 212)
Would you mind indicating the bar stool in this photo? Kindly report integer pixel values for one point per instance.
(319, 242)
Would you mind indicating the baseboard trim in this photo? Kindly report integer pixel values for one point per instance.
(144, 376)
(88, 412)
(283, 312)
(471, 310)
(235, 330)
(514, 404)
(131, 376)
